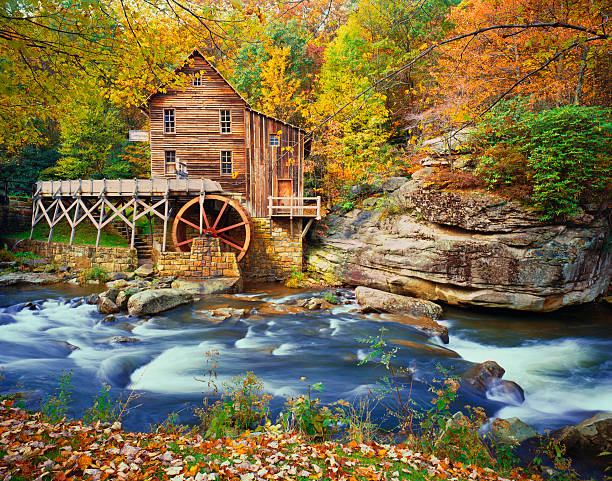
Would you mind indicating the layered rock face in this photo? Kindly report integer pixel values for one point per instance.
(466, 248)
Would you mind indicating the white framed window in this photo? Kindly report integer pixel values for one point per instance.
(197, 80)
(170, 161)
(225, 122)
(169, 127)
(274, 140)
(226, 162)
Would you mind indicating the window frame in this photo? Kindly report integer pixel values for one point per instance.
(196, 80)
(228, 121)
(221, 162)
(167, 122)
(173, 162)
(276, 137)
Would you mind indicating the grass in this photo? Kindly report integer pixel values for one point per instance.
(85, 235)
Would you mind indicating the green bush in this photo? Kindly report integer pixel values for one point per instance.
(104, 408)
(55, 407)
(563, 155)
(6, 256)
(97, 273)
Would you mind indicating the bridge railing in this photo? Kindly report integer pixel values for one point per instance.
(294, 207)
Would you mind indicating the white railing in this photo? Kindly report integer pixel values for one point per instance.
(294, 207)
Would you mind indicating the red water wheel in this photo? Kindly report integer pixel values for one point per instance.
(218, 216)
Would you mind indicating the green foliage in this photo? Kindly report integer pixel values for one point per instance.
(104, 408)
(54, 408)
(243, 406)
(97, 273)
(24, 256)
(310, 416)
(25, 166)
(562, 155)
(6, 256)
(296, 279)
(331, 298)
(85, 234)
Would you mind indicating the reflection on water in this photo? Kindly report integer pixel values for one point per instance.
(563, 361)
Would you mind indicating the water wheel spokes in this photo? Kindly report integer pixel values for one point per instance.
(217, 216)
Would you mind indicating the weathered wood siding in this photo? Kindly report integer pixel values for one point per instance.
(197, 140)
(266, 165)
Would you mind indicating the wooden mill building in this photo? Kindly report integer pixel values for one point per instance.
(223, 177)
(213, 132)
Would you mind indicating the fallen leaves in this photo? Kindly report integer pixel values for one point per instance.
(71, 451)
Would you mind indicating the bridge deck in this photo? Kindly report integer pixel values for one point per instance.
(125, 187)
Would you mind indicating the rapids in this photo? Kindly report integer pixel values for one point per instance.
(562, 360)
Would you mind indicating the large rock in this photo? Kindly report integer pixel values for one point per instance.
(374, 300)
(486, 379)
(145, 270)
(512, 430)
(35, 278)
(153, 301)
(593, 435)
(107, 306)
(466, 248)
(221, 285)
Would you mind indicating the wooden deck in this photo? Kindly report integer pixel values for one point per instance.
(125, 187)
(294, 207)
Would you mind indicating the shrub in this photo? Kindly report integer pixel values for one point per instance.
(104, 408)
(55, 407)
(6, 256)
(296, 279)
(562, 155)
(97, 273)
(331, 298)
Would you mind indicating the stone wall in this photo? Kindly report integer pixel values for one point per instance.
(112, 259)
(205, 261)
(275, 250)
(16, 216)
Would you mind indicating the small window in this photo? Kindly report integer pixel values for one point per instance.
(197, 80)
(170, 161)
(274, 140)
(225, 121)
(226, 162)
(169, 121)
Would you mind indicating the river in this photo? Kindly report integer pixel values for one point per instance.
(562, 360)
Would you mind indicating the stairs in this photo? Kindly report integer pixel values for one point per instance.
(141, 242)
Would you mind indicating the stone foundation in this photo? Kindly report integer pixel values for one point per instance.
(275, 250)
(205, 261)
(17, 215)
(112, 259)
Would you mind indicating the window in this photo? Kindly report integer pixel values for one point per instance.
(225, 121)
(274, 140)
(197, 80)
(226, 162)
(169, 121)
(170, 161)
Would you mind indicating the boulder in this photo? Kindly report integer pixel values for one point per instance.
(593, 435)
(153, 301)
(191, 286)
(124, 339)
(118, 276)
(482, 375)
(117, 284)
(221, 285)
(374, 300)
(92, 299)
(228, 312)
(34, 278)
(106, 306)
(512, 430)
(393, 183)
(424, 324)
(109, 318)
(465, 248)
(145, 270)
(122, 300)
(110, 294)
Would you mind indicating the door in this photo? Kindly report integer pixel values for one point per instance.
(285, 189)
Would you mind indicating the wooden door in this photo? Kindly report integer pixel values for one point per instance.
(285, 189)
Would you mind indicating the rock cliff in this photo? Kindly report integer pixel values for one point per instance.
(465, 248)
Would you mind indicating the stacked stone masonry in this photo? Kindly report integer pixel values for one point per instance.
(275, 250)
(16, 216)
(205, 261)
(112, 259)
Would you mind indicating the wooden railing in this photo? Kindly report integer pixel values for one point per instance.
(294, 207)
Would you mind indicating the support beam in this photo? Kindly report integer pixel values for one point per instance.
(100, 220)
(307, 227)
(52, 224)
(76, 216)
(134, 222)
(166, 215)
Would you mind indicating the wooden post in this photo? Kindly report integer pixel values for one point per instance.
(166, 215)
(34, 215)
(76, 216)
(53, 221)
(135, 195)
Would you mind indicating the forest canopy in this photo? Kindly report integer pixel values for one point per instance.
(372, 80)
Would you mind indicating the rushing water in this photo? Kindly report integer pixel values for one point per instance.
(562, 360)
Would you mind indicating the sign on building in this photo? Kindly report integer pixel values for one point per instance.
(139, 136)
